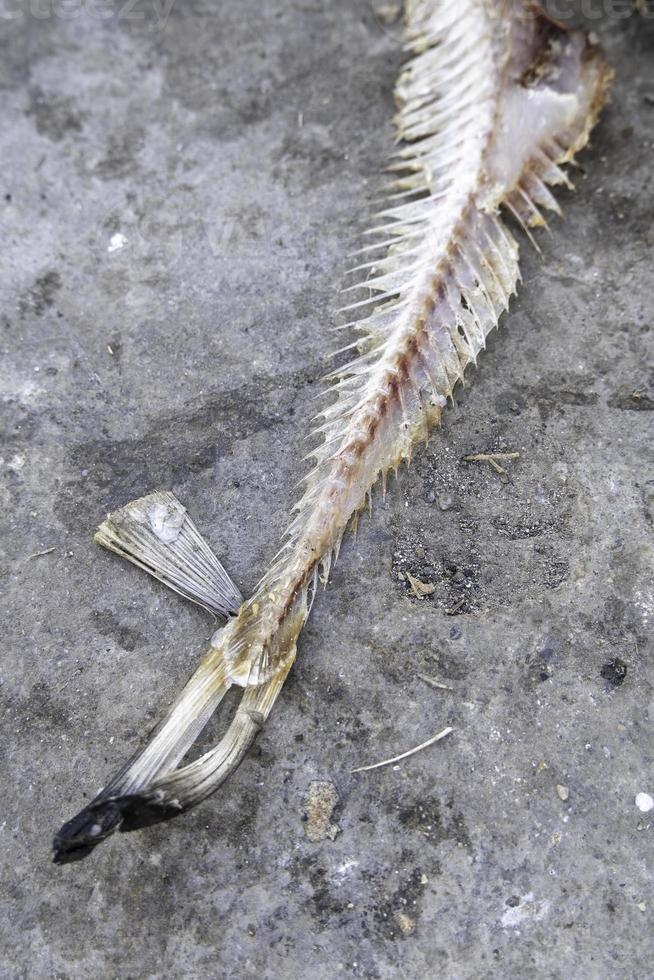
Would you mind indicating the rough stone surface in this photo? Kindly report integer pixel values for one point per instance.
(179, 187)
(319, 805)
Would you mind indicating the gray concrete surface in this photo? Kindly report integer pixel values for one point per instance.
(178, 191)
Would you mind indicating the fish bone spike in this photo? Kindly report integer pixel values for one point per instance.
(493, 103)
(156, 534)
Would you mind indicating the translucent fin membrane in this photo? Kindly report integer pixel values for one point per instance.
(156, 533)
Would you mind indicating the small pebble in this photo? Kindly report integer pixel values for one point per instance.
(406, 923)
(644, 802)
(445, 501)
(562, 792)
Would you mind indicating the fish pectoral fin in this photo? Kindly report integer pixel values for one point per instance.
(156, 533)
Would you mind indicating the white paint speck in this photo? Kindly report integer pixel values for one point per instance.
(644, 802)
(116, 242)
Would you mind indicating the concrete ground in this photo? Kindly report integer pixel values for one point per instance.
(179, 187)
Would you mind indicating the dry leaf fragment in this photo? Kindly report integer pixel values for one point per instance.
(420, 589)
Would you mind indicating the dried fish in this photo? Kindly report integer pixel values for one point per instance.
(495, 100)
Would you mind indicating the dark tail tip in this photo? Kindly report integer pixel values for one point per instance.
(78, 837)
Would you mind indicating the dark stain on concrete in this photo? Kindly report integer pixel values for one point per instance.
(41, 296)
(435, 823)
(110, 472)
(614, 672)
(54, 116)
(396, 917)
(120, 158)
(108, 624)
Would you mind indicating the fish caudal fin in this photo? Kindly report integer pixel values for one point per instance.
(189, 785)
(156, 534)
(166, 746)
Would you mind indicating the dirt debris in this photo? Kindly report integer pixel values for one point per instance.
(320, 801)
(406, 923)
(420, 589)
(493, 461)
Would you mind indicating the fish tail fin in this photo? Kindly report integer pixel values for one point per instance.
(156, 534)
(187, 786)
(166, 746)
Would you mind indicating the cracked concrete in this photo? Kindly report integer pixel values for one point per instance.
(178, 193)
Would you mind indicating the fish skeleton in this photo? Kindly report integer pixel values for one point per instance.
(495, 99)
